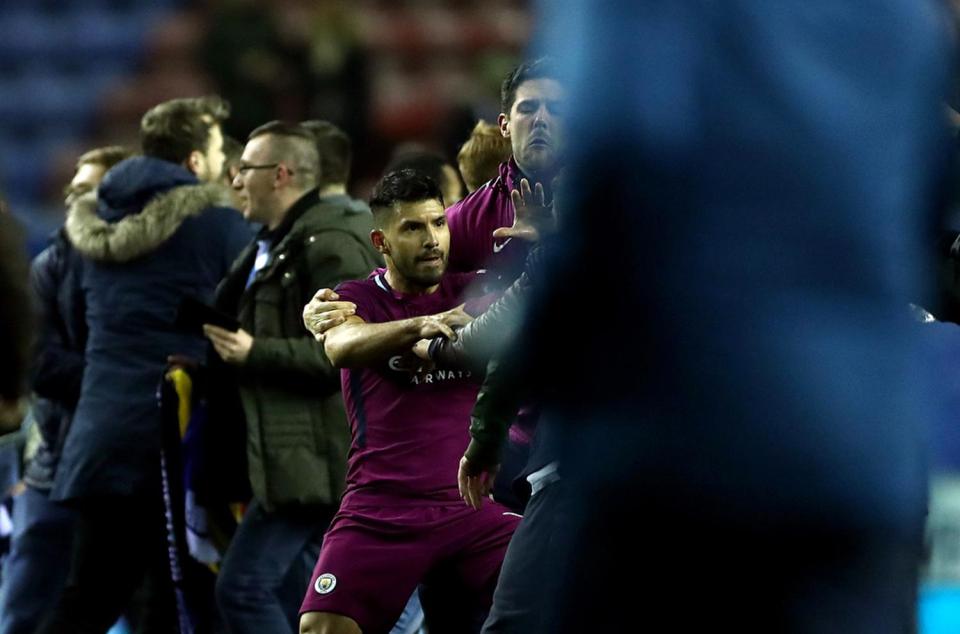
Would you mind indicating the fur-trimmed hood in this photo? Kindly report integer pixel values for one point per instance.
(138, 234)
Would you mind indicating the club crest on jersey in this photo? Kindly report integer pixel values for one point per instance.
(325, 584)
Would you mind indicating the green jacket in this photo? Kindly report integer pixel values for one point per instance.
(297, 431)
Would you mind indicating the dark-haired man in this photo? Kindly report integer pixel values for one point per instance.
(336, 154)
(297, 433)
(156, 231)
(401, 519)
(531, 117)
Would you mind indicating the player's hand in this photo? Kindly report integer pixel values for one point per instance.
(422, 349)
(324, 312)
(456, 317)
(233, 347)
(475, 483)
(532, 216)
(431, 326)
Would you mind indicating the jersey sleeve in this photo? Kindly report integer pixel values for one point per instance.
(361, 293)
(469, 240)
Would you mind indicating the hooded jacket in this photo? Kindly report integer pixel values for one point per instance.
(153, 236)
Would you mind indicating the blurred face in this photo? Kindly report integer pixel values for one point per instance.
(208, 165)
(214, 156)
(452, 189)
(534, 126)
(415, 244)
(256, 183)
(229, 173)
(86, 179)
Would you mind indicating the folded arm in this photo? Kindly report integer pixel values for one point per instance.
(355, 343)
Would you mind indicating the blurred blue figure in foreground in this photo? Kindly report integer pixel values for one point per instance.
(724, 345)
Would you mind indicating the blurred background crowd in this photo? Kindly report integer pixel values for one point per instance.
(76, 74)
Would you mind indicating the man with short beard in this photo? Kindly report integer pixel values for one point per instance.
(157, 231)
(401, 520)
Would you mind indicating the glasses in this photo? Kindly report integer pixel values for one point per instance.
(244, 167)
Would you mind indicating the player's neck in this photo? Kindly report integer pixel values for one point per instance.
(404, 286)
(544, 177)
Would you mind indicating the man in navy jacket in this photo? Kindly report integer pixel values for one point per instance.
(157, 231)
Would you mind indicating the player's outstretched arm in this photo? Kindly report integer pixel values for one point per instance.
(357, 344)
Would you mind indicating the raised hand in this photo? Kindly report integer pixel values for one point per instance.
(532, 217)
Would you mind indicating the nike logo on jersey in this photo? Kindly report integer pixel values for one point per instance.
(497, 248)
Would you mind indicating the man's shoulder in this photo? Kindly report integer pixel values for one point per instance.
(325, 219)
(372, 298)
(494, 194)
(360, 288)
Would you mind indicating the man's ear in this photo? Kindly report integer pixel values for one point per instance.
(379, 242)
(281, 176)
(195, 161)
(504, 122)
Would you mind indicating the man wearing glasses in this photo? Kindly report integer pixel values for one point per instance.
(297, 433)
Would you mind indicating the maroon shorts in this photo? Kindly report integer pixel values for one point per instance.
(373, 557)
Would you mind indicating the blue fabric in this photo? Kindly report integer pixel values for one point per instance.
(255, 590)
(411, 621)
(943, 341)
(260, 260)
(35, 571)
(753, 186)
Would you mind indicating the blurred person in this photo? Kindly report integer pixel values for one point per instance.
(232, 150)
(338, 66)
(157, 230)
(253, 63)
(751, 413)
(336, 155)
(480, 156)
(297, 432)
(433, 165)
(35, 570)
(401, 520)
(16, 318)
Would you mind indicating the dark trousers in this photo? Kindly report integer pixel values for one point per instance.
(533, 567)
(120, 546)
(267, 568)
(36, 569)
